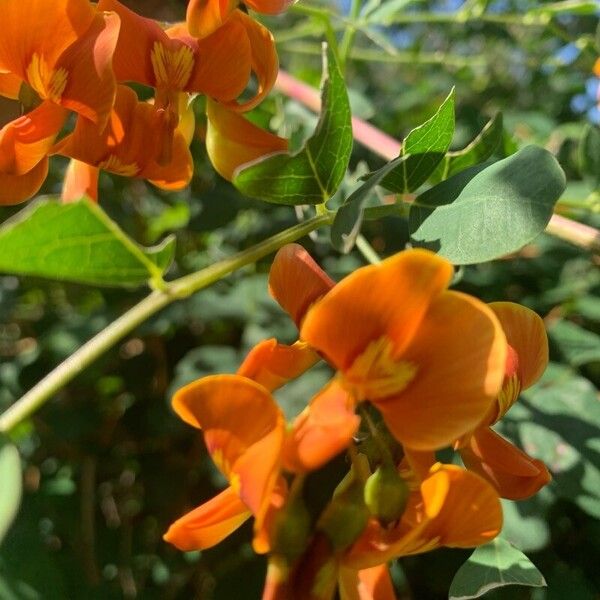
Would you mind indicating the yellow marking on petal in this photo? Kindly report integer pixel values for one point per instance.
(48, 83)
(172, 68)
(511, 388)
(375, 373)
(115, 165)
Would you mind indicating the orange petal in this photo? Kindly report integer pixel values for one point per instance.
(205, 16)
(42, 29)
(269, 7)
(178, 172)
(374, 583)
(223, 62)
(453, 507)
(265, 522)
(232, 141)
(25, 141)
(525, 332)
(272, 364)
(323, 429)
(18, 188)
(243, 431)
(513, 473)
(80, 181)
(91, 85)
(386, 300)
(416, 465)
(263, 56)
(138, 35)
(459, 354)
(10, 85)
(597, 67)
(296, 281)
(208, 524)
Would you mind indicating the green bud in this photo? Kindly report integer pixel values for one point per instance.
(386, 494)
(292, 530)
(346, 516)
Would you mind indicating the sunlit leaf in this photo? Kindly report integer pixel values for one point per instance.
(11, 484)
(427, 145)
(486, 212)
(77, 242)
(491, 566)
(312, 175)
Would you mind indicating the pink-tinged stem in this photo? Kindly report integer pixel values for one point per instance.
(387, 147)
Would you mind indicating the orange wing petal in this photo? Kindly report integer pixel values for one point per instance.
(459, 354)
(272, 364)
(323, 429)
(208, 524)
(269, 7)
(263, 56)
(296, 281)
(243, 431)
(526, 333)
(513, 473)
(80, 180)
(374, 583)
(10, 85)
(232, 141)
(42, 29)
(18, 188)
(203, 17)
(388, 300)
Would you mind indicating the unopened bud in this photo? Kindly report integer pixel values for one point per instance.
(292, 530)
(386, 494)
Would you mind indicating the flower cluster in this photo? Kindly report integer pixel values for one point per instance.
(73, 56)
(417, 368)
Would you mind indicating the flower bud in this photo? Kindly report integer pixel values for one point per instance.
(386, 494)
(292, 530)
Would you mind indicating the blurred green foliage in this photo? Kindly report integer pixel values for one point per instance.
(107, 466)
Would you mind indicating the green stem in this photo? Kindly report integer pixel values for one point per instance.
(367, 250)
(157, 300)
(348, 38)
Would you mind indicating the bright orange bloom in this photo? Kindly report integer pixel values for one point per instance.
(205, 16)
(129, 146)
(172, 61)
(56, 55)
(245, 434)
(431, 360)
(515, 474)
(232, 141)
(80, 180)
(451, 507)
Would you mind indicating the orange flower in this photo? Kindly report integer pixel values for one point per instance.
(451, 507)
(245, 434)
(54, 55)
(232, 141)
(129, 146)
(515, 474)
(205, 16)
(431, 360)
(172, 61)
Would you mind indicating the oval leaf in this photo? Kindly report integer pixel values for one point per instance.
(488, 211)
(77, 242)
(492, 566)
(314, 174)
(11, 484)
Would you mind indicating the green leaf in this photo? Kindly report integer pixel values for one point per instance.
(589, 153)
(10, 476)
(578, 345)
(348, 219)
(486, 212)
(78, 242)
(427, 145)
(494, 565)
(479, 150)
(574, 7)
(312, 175)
